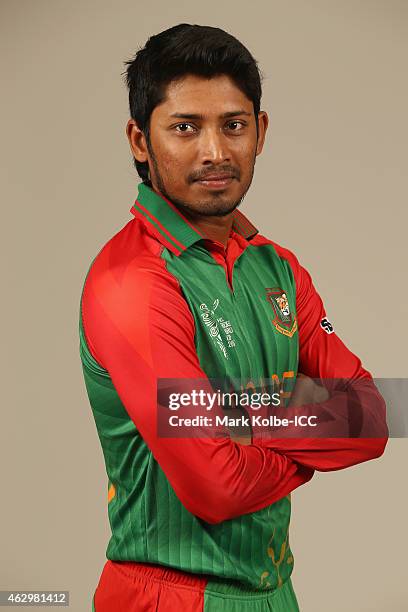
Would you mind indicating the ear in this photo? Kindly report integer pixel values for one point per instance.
(263, 122)
(137, 141)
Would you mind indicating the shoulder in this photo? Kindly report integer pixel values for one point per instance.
(285, 254)
(129, 285)
(128, 292)
(127, 265)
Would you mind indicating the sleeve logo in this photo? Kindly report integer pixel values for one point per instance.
(326, 325)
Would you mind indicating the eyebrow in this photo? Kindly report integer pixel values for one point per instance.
(198, 116)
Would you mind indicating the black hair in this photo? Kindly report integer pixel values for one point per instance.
(186, 49)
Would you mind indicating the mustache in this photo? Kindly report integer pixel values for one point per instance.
(203, 174)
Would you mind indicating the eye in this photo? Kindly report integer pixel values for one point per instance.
(182, 126)
(239, 125)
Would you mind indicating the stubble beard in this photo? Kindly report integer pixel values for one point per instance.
(214, 208)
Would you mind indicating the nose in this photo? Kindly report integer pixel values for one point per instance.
(213, 146)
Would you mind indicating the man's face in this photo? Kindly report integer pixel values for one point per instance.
(203, 144)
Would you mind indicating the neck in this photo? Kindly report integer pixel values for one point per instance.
(214, 228)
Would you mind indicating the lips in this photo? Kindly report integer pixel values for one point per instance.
(217, 182)
(216, 177)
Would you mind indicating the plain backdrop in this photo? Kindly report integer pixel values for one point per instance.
(331, 185)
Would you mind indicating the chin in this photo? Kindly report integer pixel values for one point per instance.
(217, 210)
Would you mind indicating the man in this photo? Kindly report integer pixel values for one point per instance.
(190, 290)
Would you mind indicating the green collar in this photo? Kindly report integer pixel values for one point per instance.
(172, 228)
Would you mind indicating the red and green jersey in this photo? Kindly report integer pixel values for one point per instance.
(161, 300)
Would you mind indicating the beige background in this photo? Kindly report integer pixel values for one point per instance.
(331, 185)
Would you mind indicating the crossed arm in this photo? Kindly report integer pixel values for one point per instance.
(356, 428)
(138, 327)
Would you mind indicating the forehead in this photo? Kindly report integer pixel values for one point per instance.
(209, 96)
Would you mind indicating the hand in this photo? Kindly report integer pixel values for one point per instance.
(307, 391)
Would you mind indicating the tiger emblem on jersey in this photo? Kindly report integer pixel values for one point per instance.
(283, 321)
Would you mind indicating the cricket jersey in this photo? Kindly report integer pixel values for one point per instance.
(163, 301)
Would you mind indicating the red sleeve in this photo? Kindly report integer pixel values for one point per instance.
(323, 356)
(139, 328)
